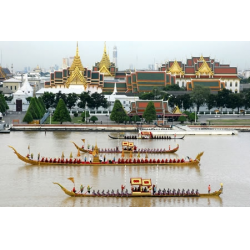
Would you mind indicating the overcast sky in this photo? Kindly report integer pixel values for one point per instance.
(139, 54)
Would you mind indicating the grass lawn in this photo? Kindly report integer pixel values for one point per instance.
(229, 122)
(77, 120)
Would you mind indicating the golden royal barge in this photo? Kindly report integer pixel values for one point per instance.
(128, 147)
(96, 160)
(141, 188)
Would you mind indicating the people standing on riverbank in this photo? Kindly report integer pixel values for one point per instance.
(209, 188)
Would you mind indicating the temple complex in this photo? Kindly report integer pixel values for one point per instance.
(203, 71)
(197, 71)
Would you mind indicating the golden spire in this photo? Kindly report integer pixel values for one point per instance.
(76, 72)
(77, 52)
(77, 61)
(201, 58)
(105, 63)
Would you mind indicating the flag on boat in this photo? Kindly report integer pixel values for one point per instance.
(72, 179)
(83, 140)
(29, 147)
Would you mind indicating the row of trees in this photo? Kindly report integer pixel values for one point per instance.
(95, 100)
(35, 111)
(201, 96)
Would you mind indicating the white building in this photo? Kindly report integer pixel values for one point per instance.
(125, 100)
(12, 84)
(19, 102)
(26, 87)
(246, 74)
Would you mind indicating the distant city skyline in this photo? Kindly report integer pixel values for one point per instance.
(139, 54)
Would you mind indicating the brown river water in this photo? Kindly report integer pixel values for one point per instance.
(226, 160)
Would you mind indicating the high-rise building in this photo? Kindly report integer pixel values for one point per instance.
(65, 63)
(115, 55)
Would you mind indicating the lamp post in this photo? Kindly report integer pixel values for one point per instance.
(85, 112)
(195, 114)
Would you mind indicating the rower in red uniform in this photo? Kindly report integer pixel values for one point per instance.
(122, 187)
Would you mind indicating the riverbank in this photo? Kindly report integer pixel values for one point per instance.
(116, 128)
(105, 124)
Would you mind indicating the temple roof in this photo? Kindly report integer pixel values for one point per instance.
(76, 72)
(26, 88)
(176, 110)
(176, 69)
(19, 92)
(12, 80)
(204, 69)
(77, 61)
(104, 64)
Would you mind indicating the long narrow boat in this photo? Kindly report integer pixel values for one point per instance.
(141, 188)
(129, 162)
(134, 151)
(135, 137)
(82, 149)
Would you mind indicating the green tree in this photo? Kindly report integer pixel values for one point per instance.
(136, 118)
(246, 101)
(235, 101)
(173, 87)
(182, 119)
(171, 101)
(211, 101)
(147, 96)
(59, 96)
(34, 109)
(93, 119)
(186, 101)
(28, 117)
(223, 98)
(28, 98)
(71, 100)
(118, 113)
(39, 108)
(191, 116)
(83, 116)
(3, 104)
(84, 99)
(199, 96)
(42, 105)
(48, 99)
(61, 113)
(97, 100)
(150, 113)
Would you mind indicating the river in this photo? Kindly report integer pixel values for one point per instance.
(225, 160)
